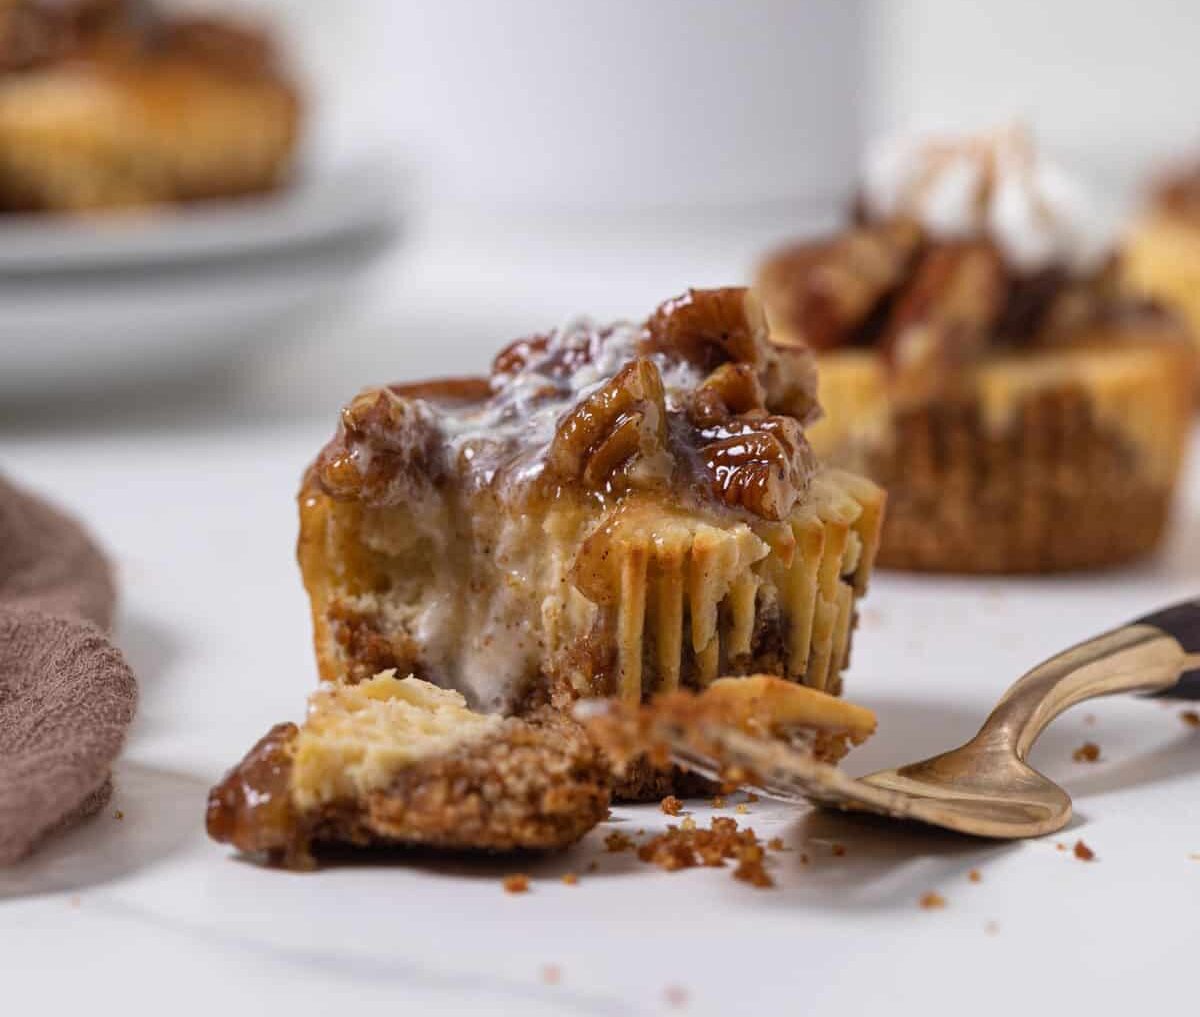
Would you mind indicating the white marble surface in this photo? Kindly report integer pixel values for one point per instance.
(145, 910)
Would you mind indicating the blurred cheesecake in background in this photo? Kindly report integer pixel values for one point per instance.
(978, 359)
(117, 103)
(1161, 258)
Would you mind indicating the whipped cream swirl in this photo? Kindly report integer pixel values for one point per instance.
(995, 185)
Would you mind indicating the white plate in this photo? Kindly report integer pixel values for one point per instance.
(322, 206)
(87, 306)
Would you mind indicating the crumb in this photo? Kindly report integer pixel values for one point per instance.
(1083, 852)
(718, 802)
(75, 901)
(750, 868)
(1088, 752)
(837, 850)
(617, 841)
(803, 857)
(931, 901)
(593, 865)
(1060, 846)
(741, 809)
(671, 805)
(751, 797)
(1089, 719)
(570, 878)
(776, 844)
(675, 995)
(118, 814)
(642, 832)
(688, 823)
(975, 876)
(551, 974)
(1191, 718)
(991, 928)
(682, 848)
(516, 883)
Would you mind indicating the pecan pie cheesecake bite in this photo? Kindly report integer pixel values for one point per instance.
(978, 359)
(397, 761)
(117, 103)
(615, 511)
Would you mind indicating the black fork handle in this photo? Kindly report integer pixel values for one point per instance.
(1182, 623)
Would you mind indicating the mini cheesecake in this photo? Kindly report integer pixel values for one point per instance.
(116, 103)
(615, 511)
(979, 361)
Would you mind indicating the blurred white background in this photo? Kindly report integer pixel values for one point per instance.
(558, 155)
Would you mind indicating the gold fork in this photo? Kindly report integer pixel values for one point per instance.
(985, 787)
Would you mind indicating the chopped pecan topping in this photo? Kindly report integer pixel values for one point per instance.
(384, 439)
(822, 291)
(708, 328)
(616, 437)
(730, 389)
(758, 462)
(945, 317)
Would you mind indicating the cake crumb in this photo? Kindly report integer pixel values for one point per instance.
(681, 848)
(975, 876)
(1190, 717)
(671, 805)
(118, 814)
(718, 802)
(931, 901)
(751, 797)
(75, 901)
(1088, 752)
(570, 878)
(617, 841)
(1089, 719)
(516, 883)
(551, 974)
(991, 928)
(593, 865)
(1060, 846)
(741, 809)
(688, 823)
(837, 850)
(1083, 852)
(776, 844)
(675, 995)
(803, 857)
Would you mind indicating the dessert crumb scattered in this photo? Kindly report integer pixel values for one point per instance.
(718, 802)
(776, 844)
(675, 995)
(1083, 852)
(516, 883)
(741, 809)
(682, 848)
(1190, 717)
(751, 797)
(551, 974)
(1060, 846)
(75, 901)
(118, 814)
(837, 850)
(617, 841)
(1088, 752)
(688, 823)
(803, 857)
(991, 928)
(593, 865)
(975, 876)
(932, 900)
(1089, 719)
(671, 805)
(570, 878)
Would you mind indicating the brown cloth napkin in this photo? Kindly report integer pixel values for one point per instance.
(67, 696)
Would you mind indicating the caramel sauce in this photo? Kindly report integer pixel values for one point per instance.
(251, 808)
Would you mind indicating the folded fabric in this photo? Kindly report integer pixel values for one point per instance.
(67, 696)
